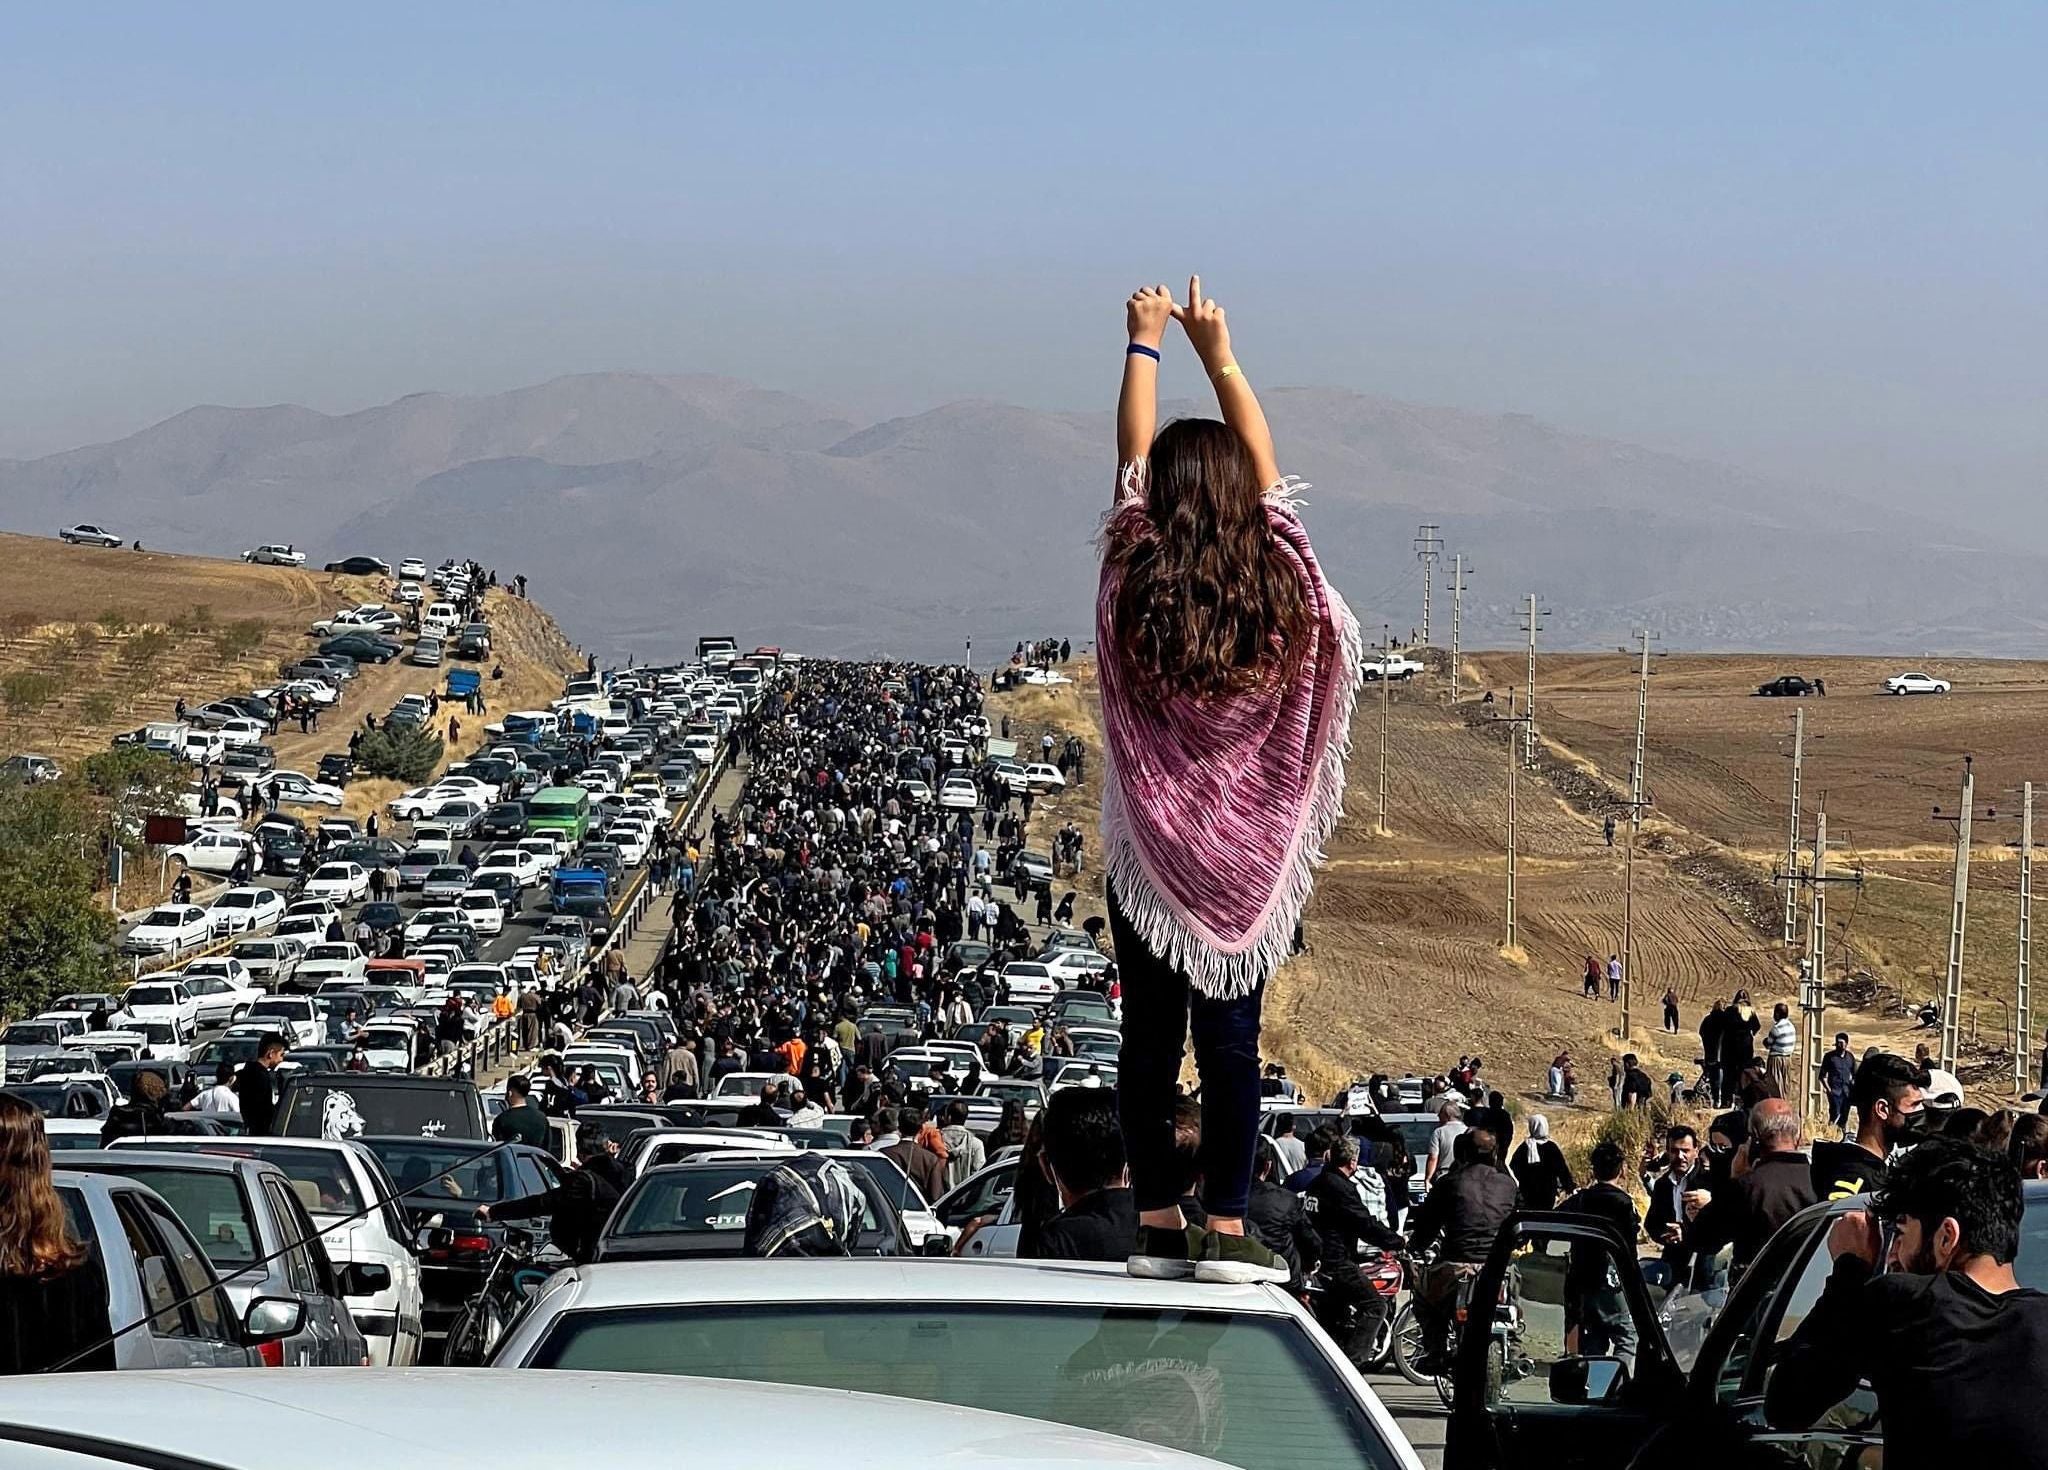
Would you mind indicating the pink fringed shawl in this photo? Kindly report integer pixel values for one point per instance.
(1216, 810)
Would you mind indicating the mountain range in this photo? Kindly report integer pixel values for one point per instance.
(646, 510)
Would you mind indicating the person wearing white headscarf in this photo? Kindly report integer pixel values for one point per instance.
(1540, 1169)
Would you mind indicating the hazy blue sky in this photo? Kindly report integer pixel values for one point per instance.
(1808, 238)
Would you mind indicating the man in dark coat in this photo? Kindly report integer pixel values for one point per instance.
(256, 1087)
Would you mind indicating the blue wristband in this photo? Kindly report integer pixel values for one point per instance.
(1143, 350)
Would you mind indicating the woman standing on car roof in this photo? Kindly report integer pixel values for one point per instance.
(53, 1295)
(1228, 670)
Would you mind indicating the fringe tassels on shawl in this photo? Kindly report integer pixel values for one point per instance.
(1177, 937)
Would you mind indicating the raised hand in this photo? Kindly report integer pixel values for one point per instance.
(1202, 319)
(1146, 314)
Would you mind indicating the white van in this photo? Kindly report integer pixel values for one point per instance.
(440, 619)
(166, 737)
(204, 746)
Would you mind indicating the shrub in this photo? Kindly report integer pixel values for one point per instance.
(98, 707)
(235, 639)
(403, 754)
(27, 690)
(147, 648)
(198, 620)
(20, 624)
(116, 621)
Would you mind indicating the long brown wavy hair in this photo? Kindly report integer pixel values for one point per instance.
(1208, 604)
(35, 1238)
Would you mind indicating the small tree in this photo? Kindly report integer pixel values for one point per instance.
(147, 649)
(20, 624)
(198, 620)
(116, 621)
(244, 636)
(403, 753)
(28, 690)
(57, 936)
(130, 782)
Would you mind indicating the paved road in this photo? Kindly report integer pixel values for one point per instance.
(1421, 1413)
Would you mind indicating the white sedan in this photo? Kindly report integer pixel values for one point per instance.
(300, 790)
(1069, 966)
(311, 691)
(164, 1001)
(341, 882)
(170, 929)
(412, 569)
(430, 801)
(1029, 980)
(522, 864)
(240, 910)
(957, 793)
(275, 554)
(241, 734)
(1042, 777)
(331, 961)
(424, 922)
(1915, 683)
(220, 999)
(484, 910)
(211, 852)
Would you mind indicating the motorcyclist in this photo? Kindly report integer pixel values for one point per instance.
(1342, 1222)
(1465, 1211)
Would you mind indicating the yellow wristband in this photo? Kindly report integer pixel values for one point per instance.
(1229, 369)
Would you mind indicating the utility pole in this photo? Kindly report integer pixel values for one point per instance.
(2022, 1015)
(1531, 627)
(1386, 699)
(1514, 783)
(1458, 570)
(1636, 802)
(1792, 840)
(1428, 547)
(1813, 991)
(1958, 923)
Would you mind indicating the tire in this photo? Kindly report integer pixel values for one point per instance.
(464, 1346)
(1407, 1345)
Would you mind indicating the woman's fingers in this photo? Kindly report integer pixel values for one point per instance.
(1194, 291)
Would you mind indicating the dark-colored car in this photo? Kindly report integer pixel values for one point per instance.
(361, 566)
(1788, 686)
(284, 850)
(253, 705)
(364, 648)
(472, 645)
(460, 936)
(455, 1247)
(335, 768)
(505, 822)
(393, 1104)
(699, 1208)
(381, 917)
(504, 885)
(369, 852)
(1699, 1374)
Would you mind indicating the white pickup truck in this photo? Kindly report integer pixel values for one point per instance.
(1393, 666)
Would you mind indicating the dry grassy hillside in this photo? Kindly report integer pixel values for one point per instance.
(1718, 766)
(1406, 966)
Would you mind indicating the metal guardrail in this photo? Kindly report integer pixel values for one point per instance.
(500, 1039)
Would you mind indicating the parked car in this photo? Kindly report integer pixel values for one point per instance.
(427, 652)
(222, 1000)
(255, 1233)
(299, 790)
(210, 851)
(22, 770)
(1270, 1389)
(343, 882)
(275, 554)
(361, 566)
(152, 1265)
(271, 962)
(169, 929)
(1915, 683)
(364, 648)
(1787, 686)
(85, 533)
(240, 910)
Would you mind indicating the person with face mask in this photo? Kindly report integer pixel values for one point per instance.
(1936, 1322)
(1889, 1096)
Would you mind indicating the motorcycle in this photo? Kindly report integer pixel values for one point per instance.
(517, 1272)
(1506, 1362)
(1385, 1274)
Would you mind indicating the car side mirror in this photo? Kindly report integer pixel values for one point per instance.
(273, 1317)
(936, 1245)
(1587, 1380)
(363, 1278)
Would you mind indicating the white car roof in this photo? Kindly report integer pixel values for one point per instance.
(343, 1417)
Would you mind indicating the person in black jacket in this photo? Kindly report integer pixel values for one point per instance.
(1681, 1175)
(143, 1114)
(1466, 1209)
(1540, 1168)
(1711, 1025)
(578, 1208)
(53, 1292)
(1769, 1182)
(1947, 1336)
(1594, 1300)
(1084, 1153)
(256, 1087)
(1342, 1223)
(1276, 1216)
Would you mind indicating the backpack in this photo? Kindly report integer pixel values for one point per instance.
(808, 1206)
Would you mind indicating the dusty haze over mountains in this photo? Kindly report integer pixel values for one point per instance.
(648, 509)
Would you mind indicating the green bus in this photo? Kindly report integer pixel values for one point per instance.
(564, 809)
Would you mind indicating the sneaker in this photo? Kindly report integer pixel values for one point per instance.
(1238, 1260)
(1165, 1255)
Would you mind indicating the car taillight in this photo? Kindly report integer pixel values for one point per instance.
(470, 1245)
(271, 1354)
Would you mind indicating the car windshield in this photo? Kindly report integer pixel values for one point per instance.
(1243, 1388)
(151, 995)
(163, 919)
(296, 1010)
(213, 1207)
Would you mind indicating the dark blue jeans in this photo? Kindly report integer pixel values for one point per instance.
(1159, 1010)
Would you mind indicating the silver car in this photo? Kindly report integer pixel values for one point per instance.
(256, 1234)
(151, 1263)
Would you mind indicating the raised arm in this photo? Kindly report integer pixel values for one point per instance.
(1137, 407)
(1210, 337)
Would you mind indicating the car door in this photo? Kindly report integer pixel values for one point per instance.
(210, 994)
(200, 1331)
(1530, 1399)
(324, 1341)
